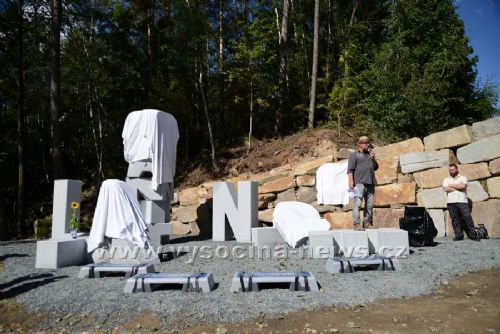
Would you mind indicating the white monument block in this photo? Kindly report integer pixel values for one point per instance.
(351, 243)
(65, 192)
(56, 253)
(389, 242)
(321, 243)
(266, 236)
(240, 209)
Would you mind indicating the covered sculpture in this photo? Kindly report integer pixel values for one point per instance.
(150, 139)
(294, 221)
(152, 134)
(117, 215)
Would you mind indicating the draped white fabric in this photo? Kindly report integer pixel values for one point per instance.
(332, 183)
(117, 215)
(294, 221)
(152, 134)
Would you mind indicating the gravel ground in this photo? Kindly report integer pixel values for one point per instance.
(59, 293)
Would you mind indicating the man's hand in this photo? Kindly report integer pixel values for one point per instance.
(449, 189)
(457, 186)
(351, 180)
(372, 155)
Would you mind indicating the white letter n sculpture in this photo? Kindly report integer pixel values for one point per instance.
(234, 214)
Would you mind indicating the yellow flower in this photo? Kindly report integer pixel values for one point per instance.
(75, 205)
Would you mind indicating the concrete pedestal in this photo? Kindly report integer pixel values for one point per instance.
(351, 243)
(266, 236)
(389, 242)
(60, 252)
(322, 244)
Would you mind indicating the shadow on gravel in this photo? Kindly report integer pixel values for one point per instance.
(169, 256)
(186, 239)
(6, 256)
(26, 283)
(15, 242)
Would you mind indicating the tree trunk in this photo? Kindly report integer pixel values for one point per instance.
(278, 24)
(151, 50)
(4, 227)
(328, 48)
(21, 226)
(314, 76)
(55, 89)
(205, 109)
(282, 69)
(223, 110)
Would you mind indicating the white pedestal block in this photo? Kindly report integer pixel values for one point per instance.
(65, 192)
(298, 281)
(336, 266)
(322, 244)
(61, 252)
(266, 236)
(351, 243)
(389, 242)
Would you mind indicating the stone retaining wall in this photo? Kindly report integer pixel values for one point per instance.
(410, 173)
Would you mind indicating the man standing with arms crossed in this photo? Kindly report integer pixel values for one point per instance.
(455, 187)
(361, 169)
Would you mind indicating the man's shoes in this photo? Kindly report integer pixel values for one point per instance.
(367, 226)
(483, 231)
(358, 228)
(458, 239)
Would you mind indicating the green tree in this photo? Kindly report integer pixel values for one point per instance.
(422, 77)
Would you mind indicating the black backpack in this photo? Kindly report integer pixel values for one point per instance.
(420, 227)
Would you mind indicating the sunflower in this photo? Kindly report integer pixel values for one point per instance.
(75, 205)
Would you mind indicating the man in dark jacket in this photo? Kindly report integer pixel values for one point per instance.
(361, 170)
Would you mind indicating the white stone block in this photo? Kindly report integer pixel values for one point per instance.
(298, 281)
(434, 198)
(65, 192)
(192, 282)
(476, 192)
(351, 243)
(389, 242)
(338, 266)
(486, 128)
(61, 252)
(485, 149)
(321, 244)
(417, 161)
(437, 216)
(266, 236)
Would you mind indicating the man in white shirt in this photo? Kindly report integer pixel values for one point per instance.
(455, 186)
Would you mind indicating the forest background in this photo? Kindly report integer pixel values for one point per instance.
(231, 72)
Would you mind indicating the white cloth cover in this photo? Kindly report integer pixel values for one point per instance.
(152, 134)
(332, 183)
(294, 221)
(117, 215)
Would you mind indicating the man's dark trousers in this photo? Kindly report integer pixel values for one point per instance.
(460, 212)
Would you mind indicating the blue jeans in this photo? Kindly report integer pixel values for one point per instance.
(366, 192)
